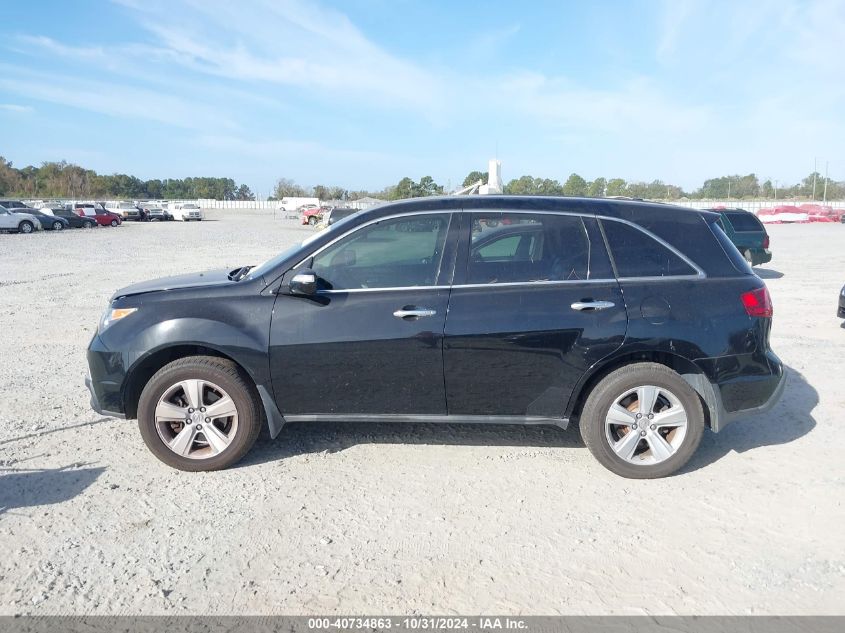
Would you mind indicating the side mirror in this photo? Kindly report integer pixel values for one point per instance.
(304, 282)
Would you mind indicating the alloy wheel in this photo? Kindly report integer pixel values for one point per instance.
(646, 425)
(196, 419)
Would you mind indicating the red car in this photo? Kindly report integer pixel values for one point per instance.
(103, 217)
(310, 214)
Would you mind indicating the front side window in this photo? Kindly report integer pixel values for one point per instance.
(394, 253)
(636, 254)
(525, 248)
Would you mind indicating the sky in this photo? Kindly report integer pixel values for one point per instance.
(361, 93)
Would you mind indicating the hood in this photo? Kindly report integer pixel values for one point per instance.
(192, 280)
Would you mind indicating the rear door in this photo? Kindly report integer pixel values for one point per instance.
(532, 308)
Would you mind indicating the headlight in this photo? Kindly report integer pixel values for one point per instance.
(114, 314)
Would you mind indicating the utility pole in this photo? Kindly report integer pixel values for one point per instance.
(826, 164)
(815, 169)
(776, 189)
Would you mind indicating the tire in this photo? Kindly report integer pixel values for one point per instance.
(26, 227)
(312, 220)
(748, 257)
(114, 222)
(219, 376)
(58, 226)
(599, 429)
(88, 225)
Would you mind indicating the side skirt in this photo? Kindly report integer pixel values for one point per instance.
(428, 419)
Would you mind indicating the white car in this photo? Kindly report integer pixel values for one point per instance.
(18, 222)
(186, 211)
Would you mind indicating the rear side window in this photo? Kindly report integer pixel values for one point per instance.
(637, 254)
(744, 222)
(525, 248)
(730, 249)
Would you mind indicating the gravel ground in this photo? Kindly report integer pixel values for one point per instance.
(400, 519)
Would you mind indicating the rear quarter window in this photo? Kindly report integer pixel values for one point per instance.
(637, 254)
(730, 249)
(744, 222)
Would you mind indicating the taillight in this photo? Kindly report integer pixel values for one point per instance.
(766, 242)
(757, 303)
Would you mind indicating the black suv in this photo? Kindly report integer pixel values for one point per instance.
(641, 321)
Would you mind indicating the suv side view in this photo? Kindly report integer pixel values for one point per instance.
(641, 322)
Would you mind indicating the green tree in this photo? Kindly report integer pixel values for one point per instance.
(287, 188)
(615, 187)
(427, 187)
(244, 193)
(597, 188)
(575, 186)
(474, 176)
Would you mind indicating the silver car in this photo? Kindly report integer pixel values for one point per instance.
(11, 220)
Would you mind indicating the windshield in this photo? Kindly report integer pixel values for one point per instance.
(273, 262)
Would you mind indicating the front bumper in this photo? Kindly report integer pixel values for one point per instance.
(106, 373)
(841, 311)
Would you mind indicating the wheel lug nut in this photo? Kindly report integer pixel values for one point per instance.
(653, 427)
(634, 425)
(650, 416)
(209, 420)
(202, 409)
(190, 410)
(639, 415)
(199, 428)
(642, 433)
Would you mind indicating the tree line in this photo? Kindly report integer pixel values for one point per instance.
(66, 180)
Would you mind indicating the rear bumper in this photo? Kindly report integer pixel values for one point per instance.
(760, 256)
(742, 388)
(840, 312)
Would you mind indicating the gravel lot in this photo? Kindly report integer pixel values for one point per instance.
(401, 519)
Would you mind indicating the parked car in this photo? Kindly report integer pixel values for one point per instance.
(747, 233)
(309, 214)
(156, 214)
(74, 220)
(599, 322)
(841, 311)
(187, 211)
(98, 213)
(336, 214)
(126, 210)
(48, 221)
(18, 221)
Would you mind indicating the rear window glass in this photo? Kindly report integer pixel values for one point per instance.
(636, 254)
(744, 222)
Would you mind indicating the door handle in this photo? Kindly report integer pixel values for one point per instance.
(592, 305)
(414, 313)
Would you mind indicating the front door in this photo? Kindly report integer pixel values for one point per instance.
(370, 341)
(534, 305)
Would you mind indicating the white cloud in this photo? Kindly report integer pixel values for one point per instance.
(14, 107)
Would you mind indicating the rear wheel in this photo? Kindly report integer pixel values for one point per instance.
(312, 220)
(199, 413)
(642, 421)
(26, 227)
(747, 254)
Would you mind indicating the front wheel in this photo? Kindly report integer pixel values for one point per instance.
(87, 225)
(642, 421)
(199, 413)
(58, 226)
(312, 221)
(114, 222)
(26, 227)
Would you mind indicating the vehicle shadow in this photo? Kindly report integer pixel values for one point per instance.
(767, 273)
(791, 419)
(20, 488)
(299, 438)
